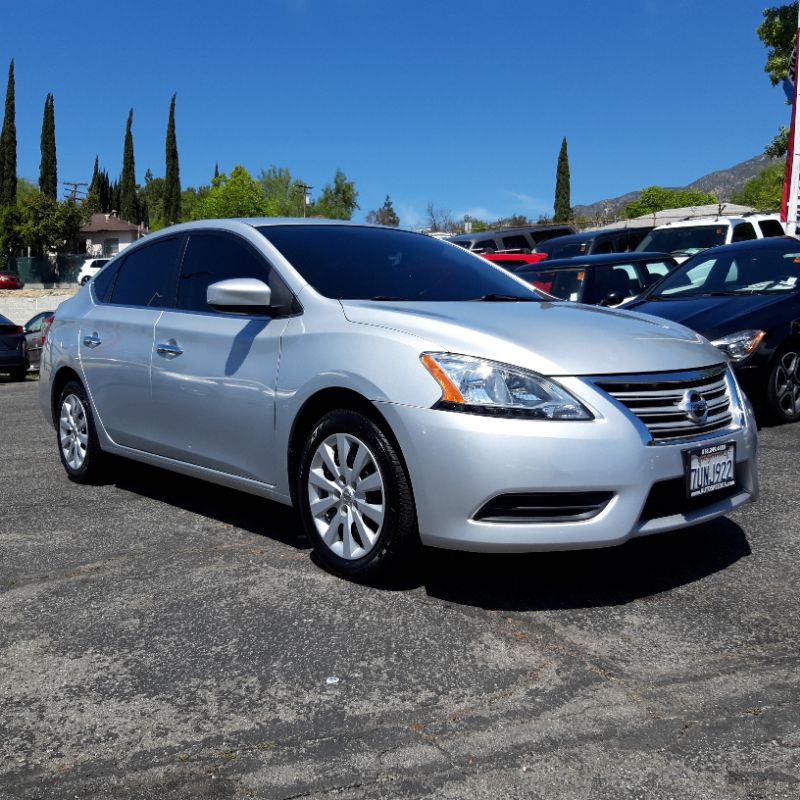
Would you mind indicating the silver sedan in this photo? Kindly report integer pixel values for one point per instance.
(397, 389)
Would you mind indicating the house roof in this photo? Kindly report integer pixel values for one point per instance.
(107, 222)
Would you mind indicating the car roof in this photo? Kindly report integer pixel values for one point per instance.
(603, 259)
(698, 221)
(785, 243)
(586, 236)
(547, 226)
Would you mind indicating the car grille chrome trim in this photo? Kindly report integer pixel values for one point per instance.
(656, 398)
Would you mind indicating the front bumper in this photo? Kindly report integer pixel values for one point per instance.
(459, 462)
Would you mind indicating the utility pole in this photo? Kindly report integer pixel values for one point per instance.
(73, 188)
(306, 190)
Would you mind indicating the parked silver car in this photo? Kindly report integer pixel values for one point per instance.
(396, 389)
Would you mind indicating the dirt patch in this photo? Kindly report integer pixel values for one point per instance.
(34, 293)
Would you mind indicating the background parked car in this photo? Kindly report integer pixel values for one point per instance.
(35, 333)
(686, 237)
(599, 280)
(746, 298)
(606, 240)
(527, 237)
(10, 280)
(513, 261)
(90, 268)
(13, 349)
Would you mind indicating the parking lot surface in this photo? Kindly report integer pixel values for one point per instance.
(163, 637)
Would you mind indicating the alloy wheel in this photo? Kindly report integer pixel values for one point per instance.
(73, 431)
(787, 383)
(346, 496)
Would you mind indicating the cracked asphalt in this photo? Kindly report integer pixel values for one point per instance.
(163, 637)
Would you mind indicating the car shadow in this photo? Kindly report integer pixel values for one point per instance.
(512, 582)
(229, 506)
(584, 578)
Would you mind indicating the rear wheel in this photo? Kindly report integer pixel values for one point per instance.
(18, 374)
(78, 447)
(783, 391)
(85, 279)
(355, 498)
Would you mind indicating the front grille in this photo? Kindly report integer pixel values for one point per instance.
(658, 400)
(544, 507)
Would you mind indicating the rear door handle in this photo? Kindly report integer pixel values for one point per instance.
(169, 349)
(92, 340)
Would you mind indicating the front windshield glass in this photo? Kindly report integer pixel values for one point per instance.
(762, 271)
(685, 241)
(347, 262)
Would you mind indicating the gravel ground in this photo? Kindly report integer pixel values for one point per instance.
(162, 637)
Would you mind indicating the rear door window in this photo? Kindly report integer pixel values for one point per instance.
(147, 276)
(515, 242)
(743, 231)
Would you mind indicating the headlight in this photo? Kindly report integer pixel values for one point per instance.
(740, 345)
(477, 386)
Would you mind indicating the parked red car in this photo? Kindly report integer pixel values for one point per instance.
(513, 261)
(10, 280)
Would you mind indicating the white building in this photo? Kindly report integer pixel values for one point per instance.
(107, 234)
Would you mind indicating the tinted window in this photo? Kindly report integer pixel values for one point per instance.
(600, 246)
(655, 269)
(563, 283)
(552, 233)
(620, 278)
(564, 249)
(514, 242)
(147, 276)
(684, 240)
(350, 262)
(103, 282)
(771, 227)
(486, 244)
(743, 231)
(212, 257)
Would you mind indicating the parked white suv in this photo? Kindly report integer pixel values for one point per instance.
(90, 268)
(689, 236)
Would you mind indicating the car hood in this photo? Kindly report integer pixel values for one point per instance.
(550, 338)
(718, 316)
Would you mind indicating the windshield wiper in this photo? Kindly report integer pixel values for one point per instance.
(506, 298)
(698, 294)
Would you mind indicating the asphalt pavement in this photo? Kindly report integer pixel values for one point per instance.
(161, 637)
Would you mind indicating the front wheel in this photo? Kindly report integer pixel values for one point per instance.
(78, 447)
(355, 499)
(783, 391)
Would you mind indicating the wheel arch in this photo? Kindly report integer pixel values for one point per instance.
(319, 404)
(60, 380)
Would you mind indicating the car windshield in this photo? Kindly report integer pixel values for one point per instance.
(686, 241)
(749, 271)
(348, 262)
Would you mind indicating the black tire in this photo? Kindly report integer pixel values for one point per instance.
(397, 537)
(18, 374)
(95, 460)
(85, 279)
(783, 387)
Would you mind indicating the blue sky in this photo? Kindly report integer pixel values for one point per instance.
(463, 104)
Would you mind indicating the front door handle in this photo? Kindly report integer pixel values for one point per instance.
(169, 349)
(92, 340)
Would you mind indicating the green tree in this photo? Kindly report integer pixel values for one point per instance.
(475, 225)
(284, 194)
(172, 181)
(47, 226)
(8, 145)
(10, 239)
(25, 189)
(190, 198)
(153, 198)
(763, 191)
(338, 200)
(777, 32)
(128, 206)
(385, 215)
(562, 202)
(237, 196)
(48, 179)
(658, 198)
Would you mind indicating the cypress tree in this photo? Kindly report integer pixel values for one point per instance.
(562, 206)
(94, 184)
(172, 180)
(48, 179)
(128, 206)
(8, 146)
(216, 169)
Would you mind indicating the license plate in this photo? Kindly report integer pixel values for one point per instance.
(709, 469)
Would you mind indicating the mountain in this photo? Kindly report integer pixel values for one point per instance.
(723, 183)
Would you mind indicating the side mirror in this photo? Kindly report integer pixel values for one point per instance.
(239, 295)
(612, 299)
